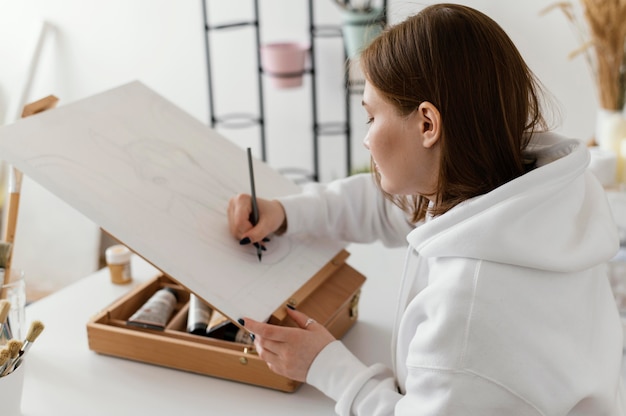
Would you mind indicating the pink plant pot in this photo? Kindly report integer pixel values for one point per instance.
(284, 63)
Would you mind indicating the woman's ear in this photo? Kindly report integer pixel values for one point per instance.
(430, 120)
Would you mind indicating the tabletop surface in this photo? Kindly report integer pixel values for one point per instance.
(64, 377)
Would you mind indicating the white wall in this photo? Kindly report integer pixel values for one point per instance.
(98, 45)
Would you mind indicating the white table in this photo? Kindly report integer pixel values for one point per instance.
(63, 377)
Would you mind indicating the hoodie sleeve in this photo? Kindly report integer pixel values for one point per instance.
(372, 391)
(350, 209)
(357, 388)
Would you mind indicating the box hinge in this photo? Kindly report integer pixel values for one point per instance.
(354, 306)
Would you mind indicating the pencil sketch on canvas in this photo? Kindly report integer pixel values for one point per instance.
(159, 180)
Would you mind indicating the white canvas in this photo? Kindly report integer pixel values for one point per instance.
(159, 180)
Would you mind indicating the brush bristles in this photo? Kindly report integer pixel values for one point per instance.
(35, 329)
(5, 253)
(5, 306)
(4, 356)
(14, 347)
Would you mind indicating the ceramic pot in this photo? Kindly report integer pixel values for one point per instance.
(359, 28)
(611, 137)
(284, 63)
(11, 387)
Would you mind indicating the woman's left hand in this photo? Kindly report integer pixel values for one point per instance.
(289, 351)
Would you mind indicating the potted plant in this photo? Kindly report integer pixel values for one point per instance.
(361, 23)
(602, 34)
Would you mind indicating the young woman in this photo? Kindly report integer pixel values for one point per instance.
(505, 307)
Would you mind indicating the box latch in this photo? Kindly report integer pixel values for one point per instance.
(354, 306)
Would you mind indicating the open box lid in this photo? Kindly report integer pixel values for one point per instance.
(159, 180)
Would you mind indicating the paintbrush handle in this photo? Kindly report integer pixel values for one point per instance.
(7, 270)
(25, 348)
(10, 223)
(18, 360)
(13, 205)
(5, 332)
(15, 362)
(7, 278)
(9, 367)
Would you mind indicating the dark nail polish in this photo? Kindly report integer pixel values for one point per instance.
(266, 239)
(241, 322)
(263, 248)
(290, 306)
(252, 337)
(244, 241)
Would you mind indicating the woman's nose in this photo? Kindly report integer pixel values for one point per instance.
(366, 141)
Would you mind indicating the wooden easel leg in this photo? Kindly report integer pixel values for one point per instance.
(14, 188)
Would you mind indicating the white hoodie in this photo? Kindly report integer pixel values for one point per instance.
(505, 307)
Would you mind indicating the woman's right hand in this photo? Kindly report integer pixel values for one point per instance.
(271, 218)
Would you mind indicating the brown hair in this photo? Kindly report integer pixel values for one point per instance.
(461, 61)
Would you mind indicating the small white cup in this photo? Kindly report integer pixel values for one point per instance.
(11, 387)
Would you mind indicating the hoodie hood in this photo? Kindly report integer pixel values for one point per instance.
(555, 217)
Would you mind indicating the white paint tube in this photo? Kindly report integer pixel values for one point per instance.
(155, 313)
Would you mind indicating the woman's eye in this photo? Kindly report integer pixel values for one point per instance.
(369, 120)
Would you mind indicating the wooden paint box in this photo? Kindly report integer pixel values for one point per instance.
(159, 181)
(331, 298)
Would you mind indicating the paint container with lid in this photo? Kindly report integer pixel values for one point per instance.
(118, 260)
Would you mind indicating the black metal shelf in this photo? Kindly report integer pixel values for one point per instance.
(235, 120)
(244, 120)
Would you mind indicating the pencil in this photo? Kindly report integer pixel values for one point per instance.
(255, 208)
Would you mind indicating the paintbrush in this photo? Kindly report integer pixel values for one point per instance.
(14, 346)
(36, 327)
(4, 357)
(5, 329)
(16, 358)
(5, 334)
(10, 222)
(5, 254)
(14, 186)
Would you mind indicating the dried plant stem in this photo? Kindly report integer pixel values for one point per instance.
(607, 27)
(602, 45)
